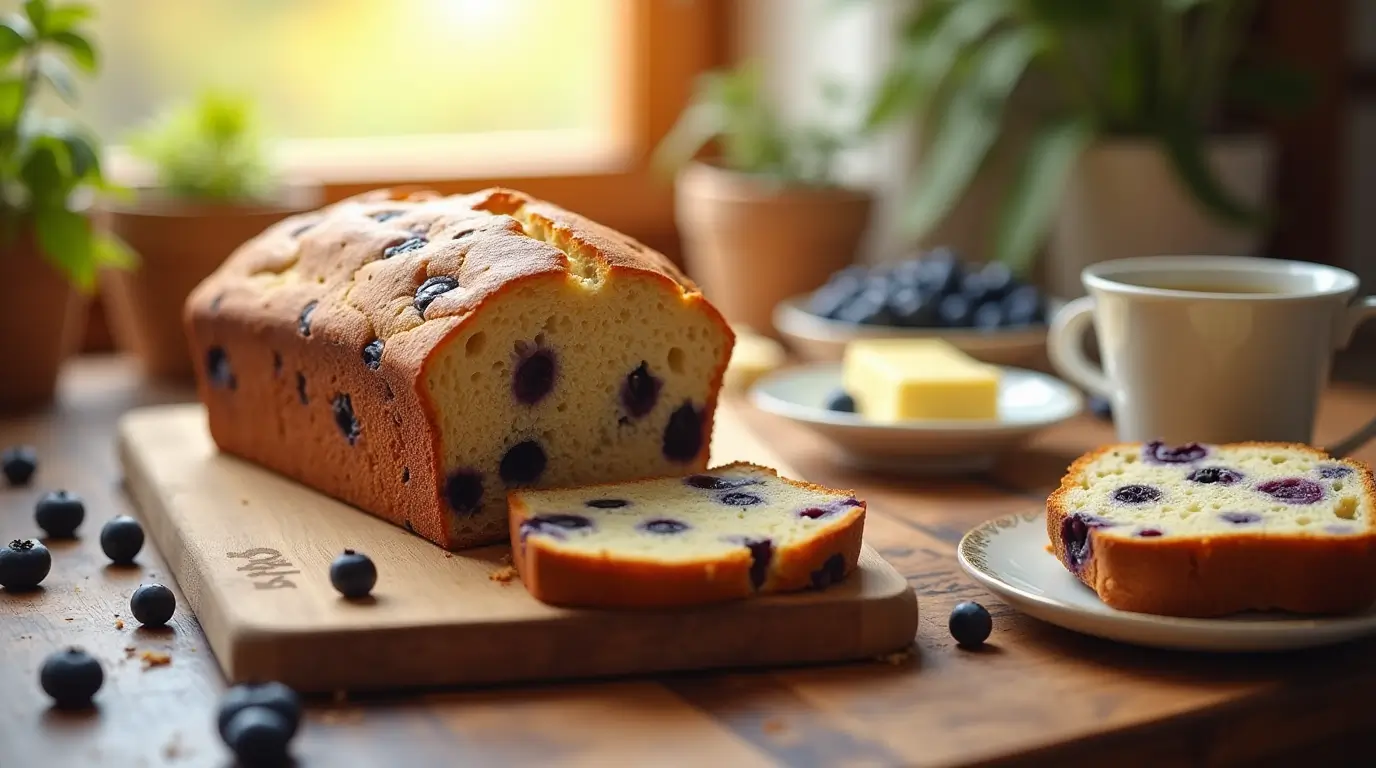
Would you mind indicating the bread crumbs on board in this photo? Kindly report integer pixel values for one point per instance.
(155, 659)
(503, 575)
(119, 623)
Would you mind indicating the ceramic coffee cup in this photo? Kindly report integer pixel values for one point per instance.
(1211, 348)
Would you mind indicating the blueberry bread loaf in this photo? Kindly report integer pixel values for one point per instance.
(417, 356)
(737, 531)
(1209, 530)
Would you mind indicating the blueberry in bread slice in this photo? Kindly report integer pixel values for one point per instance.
(733, 532)
(1202, 531)
(418, 355)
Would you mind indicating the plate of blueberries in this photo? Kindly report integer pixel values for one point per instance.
(983, 310)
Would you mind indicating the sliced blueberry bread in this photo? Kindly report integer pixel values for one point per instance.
(418, 356)
(736, 531)
(1210, 530)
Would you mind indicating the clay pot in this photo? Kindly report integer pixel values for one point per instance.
(42, 320)
(750, 244)
(179, 244)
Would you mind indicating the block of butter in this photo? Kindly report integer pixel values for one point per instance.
(902, 379)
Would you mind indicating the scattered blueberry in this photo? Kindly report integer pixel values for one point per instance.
(342, 406)
(1182, 454)
(970, 624)
(1240, 518)
(303, 323)
(972, 287)
(833, 571)
(1101, 407)
(258, 736)
(1024, 305)
(715, 483)
(121, 538)
(24, 564)
(828, 509)
(372, 354)
(761, 554)
(1136, 494)
(1292, 490)
(432, 289)
(553, 525)
(523, 463)
(534, 377)
(740, 499)
(911, 308)
(841, 401)
(353, 574)
(640, 391)
(606, 503)
(463, 489)
(19, 462)
(664, 526)
(270, 695)
(71, 677)
(217, 368)
(153, 605)
(1220, 475)
(1149, 533)
(1334, 471)
(869, 308)
(997, 280)
(989, 316)
(683, 434)
(60, 513)
(406, 246)
(830, 299)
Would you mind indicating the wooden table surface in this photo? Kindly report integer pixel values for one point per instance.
(1036, 694)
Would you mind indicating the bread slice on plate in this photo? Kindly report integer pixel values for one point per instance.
(732, 532)
(1211, 530)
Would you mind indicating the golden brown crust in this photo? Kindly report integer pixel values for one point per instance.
(1204, 577)
(572, 579)
(279, 404)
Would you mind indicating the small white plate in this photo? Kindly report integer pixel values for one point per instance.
(1028, 402)
(1008, 556)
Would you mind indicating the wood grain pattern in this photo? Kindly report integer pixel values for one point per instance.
(254, 550)
(1037, 695)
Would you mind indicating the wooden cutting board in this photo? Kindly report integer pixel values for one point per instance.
(251, 551)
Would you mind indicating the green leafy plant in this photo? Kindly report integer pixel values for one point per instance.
(46, 163)
(208, 149)
(730, 108)
(1165, 71)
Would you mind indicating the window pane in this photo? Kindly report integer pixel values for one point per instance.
(364, 68)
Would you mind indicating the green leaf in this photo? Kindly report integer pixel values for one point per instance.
(1072, 13)
(968, 128)
(1184, 144)
(46, 171)
(37, 13)
(80, 146)
(68, 17)
(1035, 194)
(67, 242)
(56, 72)
(11, 102)
(11, 42)
(110, 251)
(81, 50)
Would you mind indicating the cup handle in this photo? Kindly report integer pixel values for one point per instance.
(1065, 347)
(1363, 309)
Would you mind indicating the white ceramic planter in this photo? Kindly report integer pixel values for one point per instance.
(1124, 200)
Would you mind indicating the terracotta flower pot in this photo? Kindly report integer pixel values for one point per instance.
(42, 319)
(750, 244)
(179, 244)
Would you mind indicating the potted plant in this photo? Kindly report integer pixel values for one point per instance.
(50, 252)
(214, 189)
(1147, 115)
(764, 217)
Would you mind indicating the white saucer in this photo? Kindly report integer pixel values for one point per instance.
(1028, 402)
(1008, 557)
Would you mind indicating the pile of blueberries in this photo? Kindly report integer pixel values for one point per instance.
(257, 721)
(935, 289)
